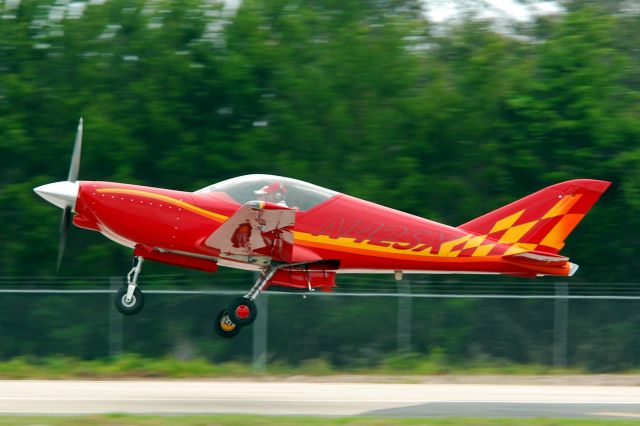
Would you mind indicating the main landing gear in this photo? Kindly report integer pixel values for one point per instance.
(242, 311)
(129, 299)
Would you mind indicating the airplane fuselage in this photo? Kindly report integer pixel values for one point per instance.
(361, 236)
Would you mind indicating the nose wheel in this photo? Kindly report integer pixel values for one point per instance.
(129, 299)
(131, 306)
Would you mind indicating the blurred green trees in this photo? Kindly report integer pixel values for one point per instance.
(365, 98)
(444, 121)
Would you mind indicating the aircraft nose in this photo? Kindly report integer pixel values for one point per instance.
(62, 194)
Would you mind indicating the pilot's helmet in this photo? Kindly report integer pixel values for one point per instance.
(276, 188)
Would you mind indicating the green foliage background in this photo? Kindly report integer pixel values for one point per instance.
(368, 98)
(362, 97)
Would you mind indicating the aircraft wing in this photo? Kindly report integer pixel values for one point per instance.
(257, 230)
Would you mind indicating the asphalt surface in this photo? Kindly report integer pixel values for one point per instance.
(325, 399)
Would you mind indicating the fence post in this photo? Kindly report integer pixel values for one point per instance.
(115, 319)
(561, 314)
(260, 334)
(404, 314)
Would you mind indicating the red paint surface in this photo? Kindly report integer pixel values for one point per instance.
(143, 217)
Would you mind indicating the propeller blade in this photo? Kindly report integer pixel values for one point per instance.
(65, 224)
(59, 194)
(75, 157)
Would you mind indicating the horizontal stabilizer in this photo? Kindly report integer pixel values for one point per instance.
(537, 256)
(541, 263)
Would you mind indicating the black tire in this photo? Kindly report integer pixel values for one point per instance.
(242, 311)
(224, 327)
(133, 307)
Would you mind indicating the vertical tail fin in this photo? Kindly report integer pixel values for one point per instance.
(542, 220)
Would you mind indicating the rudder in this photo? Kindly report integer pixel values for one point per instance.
(543, 220)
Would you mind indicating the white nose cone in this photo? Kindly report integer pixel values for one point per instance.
(62, 194)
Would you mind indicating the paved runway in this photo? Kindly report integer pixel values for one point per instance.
(326, 399)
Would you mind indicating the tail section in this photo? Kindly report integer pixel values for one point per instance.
(541, 221)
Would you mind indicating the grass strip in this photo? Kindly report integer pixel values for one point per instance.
(241, 420)
(134, 366)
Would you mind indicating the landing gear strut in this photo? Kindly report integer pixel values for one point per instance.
(242, 311)
(129, 299)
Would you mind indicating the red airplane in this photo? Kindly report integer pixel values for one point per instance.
(300, 235)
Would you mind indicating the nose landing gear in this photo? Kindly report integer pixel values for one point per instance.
(129, 299)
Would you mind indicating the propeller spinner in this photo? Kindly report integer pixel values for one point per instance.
(65, 193)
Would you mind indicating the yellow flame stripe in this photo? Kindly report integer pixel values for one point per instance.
(341, 243)
(563, 206)
(447, 247)
(515, 249)
(506, 223)
(346, 244)
(555, 238)
(514, 234)
(350, 243)
(474, 242)
(170, 200)
(483, 250)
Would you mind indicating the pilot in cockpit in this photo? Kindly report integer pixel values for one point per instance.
(273, 193)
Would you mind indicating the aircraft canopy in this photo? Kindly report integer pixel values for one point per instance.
(300, 195)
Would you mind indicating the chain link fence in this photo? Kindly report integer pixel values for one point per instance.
(555, 324)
